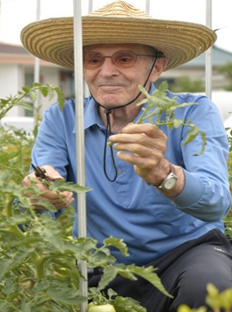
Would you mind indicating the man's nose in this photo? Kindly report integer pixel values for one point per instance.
(108, 67)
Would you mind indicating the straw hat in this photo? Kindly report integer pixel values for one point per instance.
(118, 22)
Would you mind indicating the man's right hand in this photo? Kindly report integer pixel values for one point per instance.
(64, 200)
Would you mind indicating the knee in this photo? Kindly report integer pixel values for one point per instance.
(193, 292)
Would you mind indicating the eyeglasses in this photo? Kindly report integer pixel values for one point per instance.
(121, 59)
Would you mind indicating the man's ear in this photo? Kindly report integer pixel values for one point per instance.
(159, 67)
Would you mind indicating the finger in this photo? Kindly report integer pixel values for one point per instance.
(58, 206)
(55, 197)
(58, 200)
(149, 129)
(145, 138)
(51, 173)
(142, 162)
(140, 144)
(27, 181)
(140, 150)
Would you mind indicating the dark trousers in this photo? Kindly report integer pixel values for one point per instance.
(184, 272)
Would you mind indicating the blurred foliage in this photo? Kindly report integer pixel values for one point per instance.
(226, 70)
(185, 84)
(217, 301)
(228, 218)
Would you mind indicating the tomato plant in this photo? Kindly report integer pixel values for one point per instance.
(39, 270)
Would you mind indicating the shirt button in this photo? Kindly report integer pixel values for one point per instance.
(119, 171)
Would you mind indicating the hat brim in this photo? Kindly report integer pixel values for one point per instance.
(52, 39)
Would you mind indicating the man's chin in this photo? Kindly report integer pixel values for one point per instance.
(110, 101)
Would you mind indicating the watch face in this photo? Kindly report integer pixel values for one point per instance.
(170, 183)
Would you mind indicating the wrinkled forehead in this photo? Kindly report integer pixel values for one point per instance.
(111, 48)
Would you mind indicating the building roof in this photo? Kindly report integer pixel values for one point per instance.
(11, 53)
(16, 54)
(219, 58)
(7, 48)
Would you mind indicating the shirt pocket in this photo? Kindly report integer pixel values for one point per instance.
(162, 207)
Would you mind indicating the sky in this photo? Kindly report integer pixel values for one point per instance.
(15, 14)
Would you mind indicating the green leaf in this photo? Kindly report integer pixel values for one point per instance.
(7, 265)
(66, 296)
(61, 185)
(24, 105)
(99, 259)
(26, 89)
(33, 95)
(109, 274)
(60, 97)
(4, 101)
(3, 305)
(125, 304)
(117, 243)
(37, 84)
(44, 91)
(178, 122)
(9, 287)
(148, 274)
(192, 133)
(26, 307)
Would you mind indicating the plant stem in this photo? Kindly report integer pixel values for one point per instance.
(12, 306)
(39, 265)
(9, 206)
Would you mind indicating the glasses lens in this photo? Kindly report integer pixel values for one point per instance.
(92, 60)
(124, 59)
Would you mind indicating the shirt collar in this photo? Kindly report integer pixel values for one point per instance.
(91, 116)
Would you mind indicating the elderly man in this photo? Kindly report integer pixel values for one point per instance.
(148, 189)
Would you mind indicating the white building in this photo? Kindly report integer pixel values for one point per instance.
(17, 70)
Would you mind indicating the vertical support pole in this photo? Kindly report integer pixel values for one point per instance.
(147, 10)
(80, 144)
(90, 6)
(208, 61)
(36, 69)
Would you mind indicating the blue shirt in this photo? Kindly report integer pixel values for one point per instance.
(150, 223)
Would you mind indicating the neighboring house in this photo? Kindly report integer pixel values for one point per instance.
(17, 70)
(17, 67)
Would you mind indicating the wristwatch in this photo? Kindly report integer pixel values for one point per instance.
(170, 181)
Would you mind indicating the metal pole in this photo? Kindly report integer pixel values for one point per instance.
(86, 89)
(147, 10)
(80, 145)
(36, 69)
(90, 6)
(208, 61)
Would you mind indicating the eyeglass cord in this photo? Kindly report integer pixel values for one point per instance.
(108, 111)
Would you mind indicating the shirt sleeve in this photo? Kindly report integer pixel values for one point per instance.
(51, 145)
(206, 194)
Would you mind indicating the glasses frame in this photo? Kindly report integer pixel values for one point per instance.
(158, 54)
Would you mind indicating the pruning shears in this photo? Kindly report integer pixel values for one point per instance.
(40, 173)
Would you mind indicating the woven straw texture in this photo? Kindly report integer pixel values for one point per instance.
(118, 22)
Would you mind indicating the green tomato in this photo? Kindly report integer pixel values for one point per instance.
(100, 308)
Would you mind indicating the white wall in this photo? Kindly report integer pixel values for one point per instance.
(223, 100)
(49, 75)
(11, 81)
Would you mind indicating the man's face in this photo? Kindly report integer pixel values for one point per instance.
(112, 86)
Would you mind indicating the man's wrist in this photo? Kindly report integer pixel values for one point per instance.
(169, 182)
